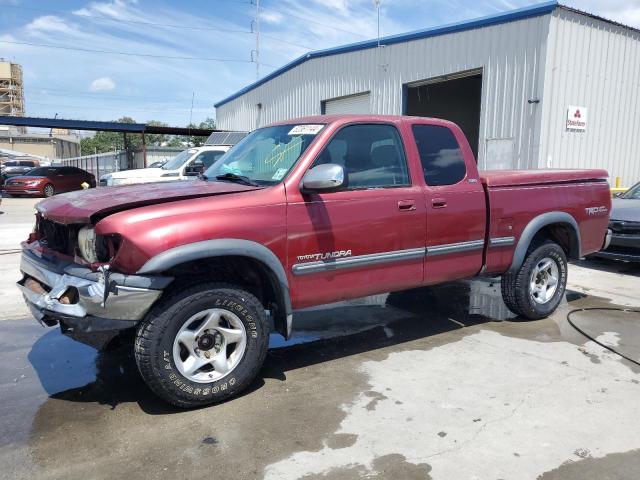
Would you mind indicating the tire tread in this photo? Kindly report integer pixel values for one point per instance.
(147, 333)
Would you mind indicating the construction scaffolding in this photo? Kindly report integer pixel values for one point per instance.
(11, 89)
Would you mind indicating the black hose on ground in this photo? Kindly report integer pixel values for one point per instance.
(609, 309)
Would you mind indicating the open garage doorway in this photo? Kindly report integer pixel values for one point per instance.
(454, 97)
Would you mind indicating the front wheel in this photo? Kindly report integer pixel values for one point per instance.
(48, 190)
(536, 289)
(203, 345)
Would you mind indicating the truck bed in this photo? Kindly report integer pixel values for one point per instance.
(513, 178)
(515, 197)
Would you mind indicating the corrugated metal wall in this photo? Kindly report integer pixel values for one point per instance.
(510, 54)
(593, 64)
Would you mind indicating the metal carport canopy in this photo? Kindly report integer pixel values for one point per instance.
(101, 126)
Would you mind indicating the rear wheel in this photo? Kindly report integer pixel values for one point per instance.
(48, 190)
(203, 345)
(536, 289)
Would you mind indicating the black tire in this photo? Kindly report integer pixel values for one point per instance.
(48, 191)
(516, 286)
(156, 334)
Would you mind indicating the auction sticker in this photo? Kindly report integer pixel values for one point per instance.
(281, 172)
(305, 129)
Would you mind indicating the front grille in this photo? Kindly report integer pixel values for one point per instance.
(621, 227)
(55, 236)
(103, 183)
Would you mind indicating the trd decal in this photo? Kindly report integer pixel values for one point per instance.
(596, 210)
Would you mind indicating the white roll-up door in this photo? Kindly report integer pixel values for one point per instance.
(352, 104)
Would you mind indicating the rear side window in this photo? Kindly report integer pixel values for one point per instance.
(372, 156)
(440, 155)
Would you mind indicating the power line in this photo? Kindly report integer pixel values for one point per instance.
(135, 22)
(167, 25)
(114, 52)
(104, 96)
(284, 12)
(120, 109)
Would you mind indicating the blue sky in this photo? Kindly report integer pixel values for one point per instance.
(105, 86)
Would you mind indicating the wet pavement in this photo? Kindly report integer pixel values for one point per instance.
(438, 382)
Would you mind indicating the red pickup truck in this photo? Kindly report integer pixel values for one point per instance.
(299, 213)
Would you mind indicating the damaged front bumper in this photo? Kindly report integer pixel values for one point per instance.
(90, 306)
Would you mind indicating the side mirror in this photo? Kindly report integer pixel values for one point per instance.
(195, 169)
(329, 177)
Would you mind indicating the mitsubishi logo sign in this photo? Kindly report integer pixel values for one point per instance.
(576, 118)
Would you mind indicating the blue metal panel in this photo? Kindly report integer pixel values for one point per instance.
(510, 16)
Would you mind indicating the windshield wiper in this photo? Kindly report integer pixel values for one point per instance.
(233, 177)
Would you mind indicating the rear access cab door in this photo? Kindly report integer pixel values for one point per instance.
(455, 201)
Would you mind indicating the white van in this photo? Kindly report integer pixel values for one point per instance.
(187, 165)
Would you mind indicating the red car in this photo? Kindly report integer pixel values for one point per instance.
(300, 213)
(47, 181)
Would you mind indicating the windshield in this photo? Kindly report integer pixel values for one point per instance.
(179, 160)
(633, 193)
(42, 171)
(266, 155)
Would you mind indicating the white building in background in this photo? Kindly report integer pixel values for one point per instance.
(543, 86)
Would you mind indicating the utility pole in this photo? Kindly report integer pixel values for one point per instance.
(257, 39)
(377, 4)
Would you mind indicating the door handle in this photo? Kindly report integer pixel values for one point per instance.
(438, 202)
(406, 205)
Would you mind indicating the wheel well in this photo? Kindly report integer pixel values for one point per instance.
(245, 272)
(564, 235)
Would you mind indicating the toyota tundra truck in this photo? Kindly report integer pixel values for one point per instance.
(299, 213)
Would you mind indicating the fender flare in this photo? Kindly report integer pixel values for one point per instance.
(534, 226)
(228, 247)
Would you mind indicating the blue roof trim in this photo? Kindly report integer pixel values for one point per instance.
(510, 16)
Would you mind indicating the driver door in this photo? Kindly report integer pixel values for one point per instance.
(366, 239)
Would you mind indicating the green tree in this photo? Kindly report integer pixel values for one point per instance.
(198, 140)
(103, 142)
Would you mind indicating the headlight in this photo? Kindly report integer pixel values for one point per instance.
(87, 244)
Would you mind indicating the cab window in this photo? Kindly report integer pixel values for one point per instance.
(440, 155)
(208, 158)
(372, 156)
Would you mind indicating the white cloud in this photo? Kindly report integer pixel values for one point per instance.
(102, 84)
(115, 9)
(48, 24)
(271, 17)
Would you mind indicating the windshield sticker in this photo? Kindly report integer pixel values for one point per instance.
(305, 129)
(281, 172)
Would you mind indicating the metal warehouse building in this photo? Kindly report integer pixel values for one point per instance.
(540, 87)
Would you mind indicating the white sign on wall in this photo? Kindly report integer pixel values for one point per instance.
(576, 118)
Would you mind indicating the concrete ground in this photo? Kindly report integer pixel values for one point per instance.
(439, 383)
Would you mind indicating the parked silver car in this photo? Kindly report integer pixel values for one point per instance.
(625, 227)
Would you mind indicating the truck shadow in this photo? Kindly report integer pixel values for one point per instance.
(608, 265)
(323, 334)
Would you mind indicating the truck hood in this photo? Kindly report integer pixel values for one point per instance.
(82, 206)
(625, 209)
